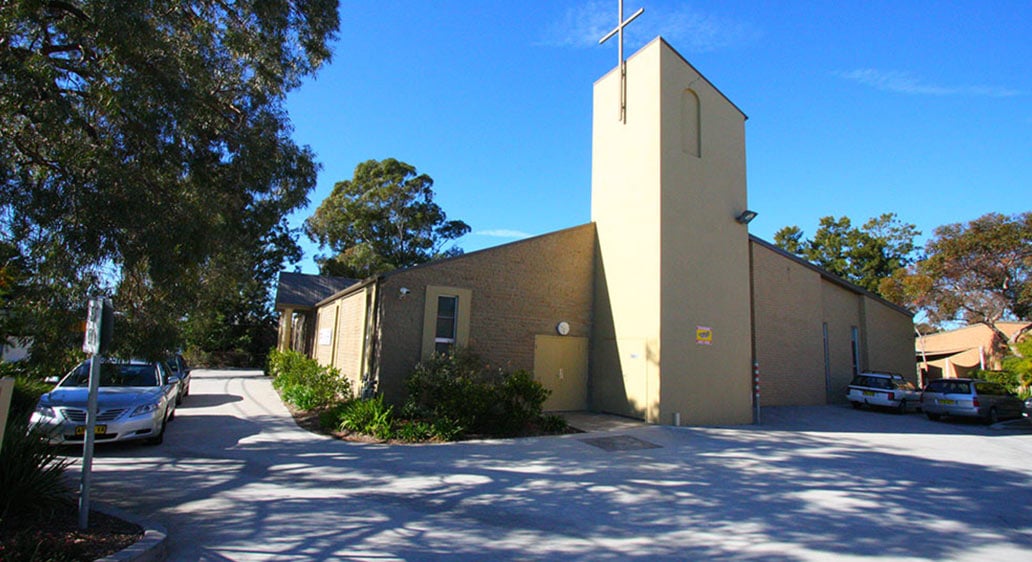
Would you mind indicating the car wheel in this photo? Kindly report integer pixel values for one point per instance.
(993, 417)
(160, 437)
(933, 417)
(902, 408)
(856, 405)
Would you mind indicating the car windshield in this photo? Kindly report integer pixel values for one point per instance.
(114, 374)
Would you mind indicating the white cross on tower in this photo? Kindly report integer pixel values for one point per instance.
(621, 23)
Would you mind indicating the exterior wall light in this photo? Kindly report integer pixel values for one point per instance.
(746, 217)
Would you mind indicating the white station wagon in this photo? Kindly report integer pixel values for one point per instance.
(885, 390)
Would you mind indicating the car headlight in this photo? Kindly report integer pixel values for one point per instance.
(42, 414)
(145, 409)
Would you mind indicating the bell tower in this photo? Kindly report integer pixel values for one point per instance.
(672, 328)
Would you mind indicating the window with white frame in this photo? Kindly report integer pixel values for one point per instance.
(447, 323)
(446, 319)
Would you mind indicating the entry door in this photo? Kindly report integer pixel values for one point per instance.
(561, 365)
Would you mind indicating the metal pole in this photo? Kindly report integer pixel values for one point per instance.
(756, 392)
(96, 312)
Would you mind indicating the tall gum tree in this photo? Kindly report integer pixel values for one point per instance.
(143, 139)
(980, 272)
(383, 218)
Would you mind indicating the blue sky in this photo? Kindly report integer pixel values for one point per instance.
(855, 108)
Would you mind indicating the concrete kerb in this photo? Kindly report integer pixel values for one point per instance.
(150, 548)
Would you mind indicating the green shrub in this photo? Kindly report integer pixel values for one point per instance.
(1006, 379)
(304, 383)
(553, 424)
(414, 431)
(520, 398)
(329, 418)
(25, 396)
(31, 481)
(453, 386)
(475, 399)
(370, 416)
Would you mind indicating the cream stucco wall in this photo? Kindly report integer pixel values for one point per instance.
(625, 205)
(705, 252)
(671, 256)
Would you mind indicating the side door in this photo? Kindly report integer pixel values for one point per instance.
(561, 366)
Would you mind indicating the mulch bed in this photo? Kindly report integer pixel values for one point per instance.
(58, 537)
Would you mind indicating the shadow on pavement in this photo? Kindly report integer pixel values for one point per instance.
(796, 488)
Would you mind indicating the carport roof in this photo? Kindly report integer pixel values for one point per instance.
(302, 290)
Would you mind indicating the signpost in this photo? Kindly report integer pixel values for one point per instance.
(99, 324)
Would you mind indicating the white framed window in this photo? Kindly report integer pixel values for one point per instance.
(446, 319)
(446, 328)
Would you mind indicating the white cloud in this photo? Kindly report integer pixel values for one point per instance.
(906, 83)
(682, 26)
(502, 233)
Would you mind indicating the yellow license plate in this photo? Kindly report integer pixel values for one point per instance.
(97, 430)
(868, 393)
(947, 402)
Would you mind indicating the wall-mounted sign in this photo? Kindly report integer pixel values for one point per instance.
(326, 336)
(703, 335)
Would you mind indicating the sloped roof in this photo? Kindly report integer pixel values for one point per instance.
(303, 290)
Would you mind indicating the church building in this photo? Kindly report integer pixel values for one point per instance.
(662, 308)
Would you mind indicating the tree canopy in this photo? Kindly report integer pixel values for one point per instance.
(142, 142)
(864, 256)
(384, 218)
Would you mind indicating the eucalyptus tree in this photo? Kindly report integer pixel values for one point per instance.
(139, 141)
(864, 255)
(383, 218)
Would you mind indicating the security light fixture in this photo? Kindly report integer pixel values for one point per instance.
(746, 217)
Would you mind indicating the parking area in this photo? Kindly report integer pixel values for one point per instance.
(236, 479)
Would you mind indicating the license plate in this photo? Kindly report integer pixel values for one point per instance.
(97, 430)
(947, 402)
(868, 393)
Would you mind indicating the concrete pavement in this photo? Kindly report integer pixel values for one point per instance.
(236, 479)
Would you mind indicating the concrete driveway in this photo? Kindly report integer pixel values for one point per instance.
(236, 479)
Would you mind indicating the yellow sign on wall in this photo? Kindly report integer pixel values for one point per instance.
(703, 335)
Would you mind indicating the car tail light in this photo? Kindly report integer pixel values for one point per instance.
(974, 401)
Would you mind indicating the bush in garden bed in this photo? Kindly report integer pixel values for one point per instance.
(304, 383)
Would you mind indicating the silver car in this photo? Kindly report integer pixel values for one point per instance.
(180, 371)
(971, 398)
(135, 400)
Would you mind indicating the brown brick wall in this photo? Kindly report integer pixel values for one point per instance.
(325, 318)
(890, 340)
(519, 290)
(351, 337)
(791, 303)
(787, 328)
